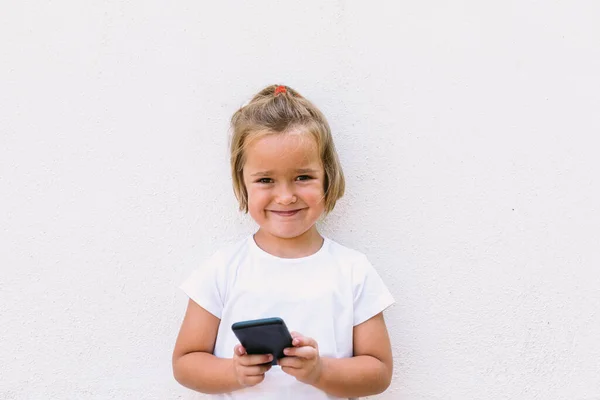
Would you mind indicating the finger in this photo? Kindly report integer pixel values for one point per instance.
(239, 350)
(304, 341)
(255, 370)
(295, 334)
(306, 352)
(290, 362)
(255, 359)
(253, 380)
(291, 371)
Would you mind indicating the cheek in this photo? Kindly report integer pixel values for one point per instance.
(313, 194)
(256, 197)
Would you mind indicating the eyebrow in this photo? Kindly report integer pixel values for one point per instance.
(300, 171)
(262, 173)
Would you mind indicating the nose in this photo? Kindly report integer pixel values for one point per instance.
(285, 195)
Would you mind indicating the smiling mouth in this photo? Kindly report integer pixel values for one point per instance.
(286, 213)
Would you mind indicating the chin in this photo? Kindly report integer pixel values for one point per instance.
(287, 234)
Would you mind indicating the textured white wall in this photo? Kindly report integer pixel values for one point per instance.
(469, 136)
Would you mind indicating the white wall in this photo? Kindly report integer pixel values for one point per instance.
(469, 136)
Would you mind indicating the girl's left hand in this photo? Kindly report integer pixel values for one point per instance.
(302, 361)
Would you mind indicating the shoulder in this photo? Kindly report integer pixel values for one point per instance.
(228, 254)
(370, 295)
(208, 283)
(346, 255)
(352, 262)
(229, 250)
(216, 270)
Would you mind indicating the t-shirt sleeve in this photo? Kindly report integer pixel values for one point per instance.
(206, 285)
(371, 296)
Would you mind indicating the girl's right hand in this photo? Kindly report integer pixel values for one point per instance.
(250, 368)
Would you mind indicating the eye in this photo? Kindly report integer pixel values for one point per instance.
(265, 180)
(304, 178)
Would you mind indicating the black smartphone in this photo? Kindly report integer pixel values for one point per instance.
(263, 336)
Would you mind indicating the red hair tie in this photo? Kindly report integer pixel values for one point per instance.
(280, 89)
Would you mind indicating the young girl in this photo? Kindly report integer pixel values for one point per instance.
(286, 174)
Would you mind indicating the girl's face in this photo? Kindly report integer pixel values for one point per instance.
(284, 178)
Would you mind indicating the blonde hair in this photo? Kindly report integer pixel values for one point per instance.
(276, 110)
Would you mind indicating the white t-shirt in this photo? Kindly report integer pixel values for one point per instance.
(322, 296)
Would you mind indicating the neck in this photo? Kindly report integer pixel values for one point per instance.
(300, 246)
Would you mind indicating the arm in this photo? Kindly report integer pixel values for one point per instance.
(368, 372)
(194, 365)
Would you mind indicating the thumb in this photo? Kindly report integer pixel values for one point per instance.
(295, 334)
